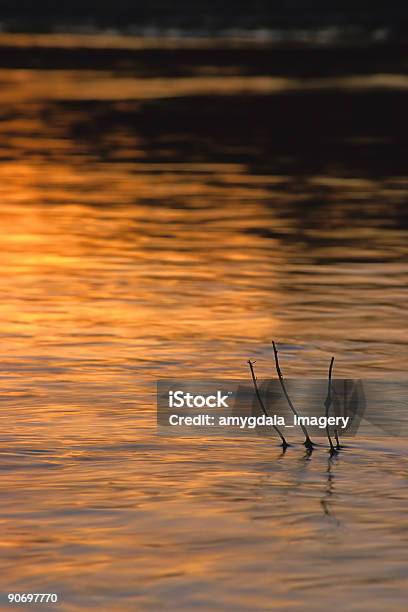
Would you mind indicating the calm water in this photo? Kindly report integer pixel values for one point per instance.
(157, 225)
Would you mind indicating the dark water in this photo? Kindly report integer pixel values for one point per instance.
(282, 19)
(168, 213)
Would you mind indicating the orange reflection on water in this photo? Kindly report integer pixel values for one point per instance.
(116, 271)
(125, 268)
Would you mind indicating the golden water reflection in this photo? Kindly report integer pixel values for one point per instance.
(103, 251)
(118, 271)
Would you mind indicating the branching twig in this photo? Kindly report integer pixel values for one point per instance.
(308, 443)
(262, 405)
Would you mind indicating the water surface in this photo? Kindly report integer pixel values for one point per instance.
(158, 225)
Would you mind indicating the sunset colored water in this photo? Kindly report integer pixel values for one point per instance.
(143, 239)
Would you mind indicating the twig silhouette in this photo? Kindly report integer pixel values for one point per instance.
(262, 405)
(308, 443)
(327, 403)
(336, 434)
(345, 398)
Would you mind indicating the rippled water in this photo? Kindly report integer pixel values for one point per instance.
(157, 226)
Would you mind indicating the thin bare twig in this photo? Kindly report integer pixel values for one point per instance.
(328, 403)
(262, 405)
(308, 443)
(336, 435)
